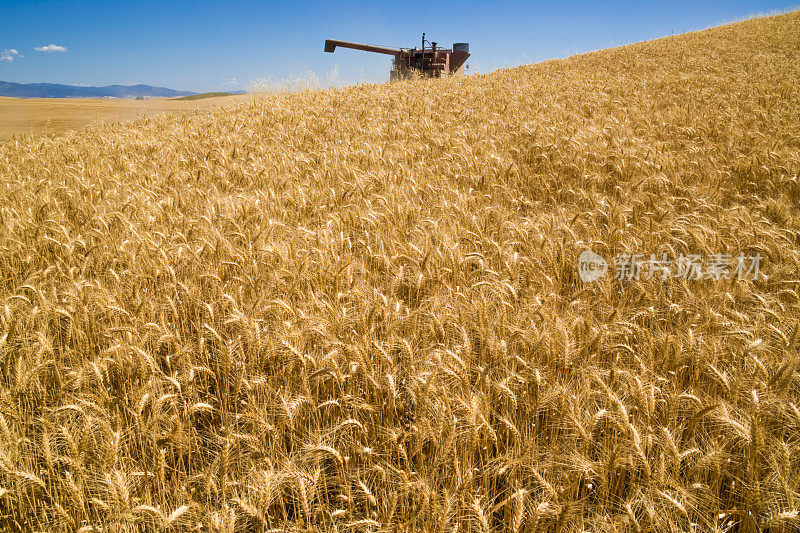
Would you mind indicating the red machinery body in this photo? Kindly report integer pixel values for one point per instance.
(430, 61)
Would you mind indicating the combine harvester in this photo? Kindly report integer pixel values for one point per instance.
(430, 62)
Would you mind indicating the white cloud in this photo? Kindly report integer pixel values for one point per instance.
(51, 48)
(10, 55)
(230, 81)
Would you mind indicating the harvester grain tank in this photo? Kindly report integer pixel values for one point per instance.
(431, 61)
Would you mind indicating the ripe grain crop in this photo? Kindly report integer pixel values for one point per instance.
(359, 308)
(54, 116)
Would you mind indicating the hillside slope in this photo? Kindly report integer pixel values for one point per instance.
(360, 308)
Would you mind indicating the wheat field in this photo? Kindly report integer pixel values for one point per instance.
(54, 116)
(358, 309)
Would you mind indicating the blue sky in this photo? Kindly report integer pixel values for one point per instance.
(212, 45)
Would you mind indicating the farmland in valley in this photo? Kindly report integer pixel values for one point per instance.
(53, 116)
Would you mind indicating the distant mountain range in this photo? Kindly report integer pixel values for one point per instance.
(55, 90)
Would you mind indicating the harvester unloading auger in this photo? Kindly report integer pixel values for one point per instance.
(432, 61)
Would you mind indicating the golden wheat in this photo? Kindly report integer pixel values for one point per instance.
(359, 308)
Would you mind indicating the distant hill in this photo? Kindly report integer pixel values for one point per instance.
(55, 90)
